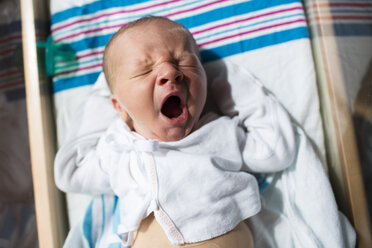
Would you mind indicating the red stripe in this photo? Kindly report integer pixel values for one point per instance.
(7, 52)
(251, 31)
(9, 72)
(202, 44)
(197, 32)
(192, 9)
(87, 32)
(11, 38)
(110, 14)
(340, 5)
(79, 69)
(247, 19)
(361, 5)
(201, 6)
(18, 37)
(89, 54)
(122, 24)
(12, 84)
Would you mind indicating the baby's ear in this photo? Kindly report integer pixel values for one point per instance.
(119, 107)
(122, 112)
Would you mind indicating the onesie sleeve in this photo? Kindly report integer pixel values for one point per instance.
(268, 141)
(77, 166)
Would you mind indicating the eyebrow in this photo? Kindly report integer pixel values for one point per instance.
(141, 64)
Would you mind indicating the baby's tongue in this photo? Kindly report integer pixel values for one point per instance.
(172, 107)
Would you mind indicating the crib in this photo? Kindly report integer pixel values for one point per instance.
(337, 85)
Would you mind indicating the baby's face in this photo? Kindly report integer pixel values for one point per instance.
(158, 80)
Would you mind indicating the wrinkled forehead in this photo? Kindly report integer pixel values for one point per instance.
(156, 33)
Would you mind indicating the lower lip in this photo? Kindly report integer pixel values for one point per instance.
(178, 120)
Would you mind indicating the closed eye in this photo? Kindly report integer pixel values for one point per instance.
(188, 61)
(190, 64)
(143, 73)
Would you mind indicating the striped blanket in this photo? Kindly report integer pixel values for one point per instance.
(221, 28)
(268, 38)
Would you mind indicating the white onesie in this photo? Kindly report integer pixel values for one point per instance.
(198, 187)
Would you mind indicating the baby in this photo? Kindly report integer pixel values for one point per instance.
(181, 180)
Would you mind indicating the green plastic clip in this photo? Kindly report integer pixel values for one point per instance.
(55, 53)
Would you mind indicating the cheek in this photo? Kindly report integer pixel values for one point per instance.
(198, 92)
(198, 85)
(138, 99)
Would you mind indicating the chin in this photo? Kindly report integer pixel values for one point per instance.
(174, 135)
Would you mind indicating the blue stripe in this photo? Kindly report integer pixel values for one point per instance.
(193, 21)
(91, 8)
(246, 26)
(263, 183)
(103, 220)
(126, 17)
(115, 245)
(207, 55)
(231, 10)
(106, 4)
(61, 67)
(87, 225)
(252, 44)
(116, 214)
(189, 22)
(116, 221)
(353, 29)
(68, 83)
(90, 43)
(83, 44)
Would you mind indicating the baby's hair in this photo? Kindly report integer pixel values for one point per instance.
(136, 23)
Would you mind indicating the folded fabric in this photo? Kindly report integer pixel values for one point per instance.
(299, 208)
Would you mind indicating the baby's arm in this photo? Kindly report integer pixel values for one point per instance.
(77, 165)
(268, 143)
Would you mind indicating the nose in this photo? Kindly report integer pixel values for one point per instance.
(169, 73)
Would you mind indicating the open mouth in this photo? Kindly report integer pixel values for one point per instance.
(172, 107)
